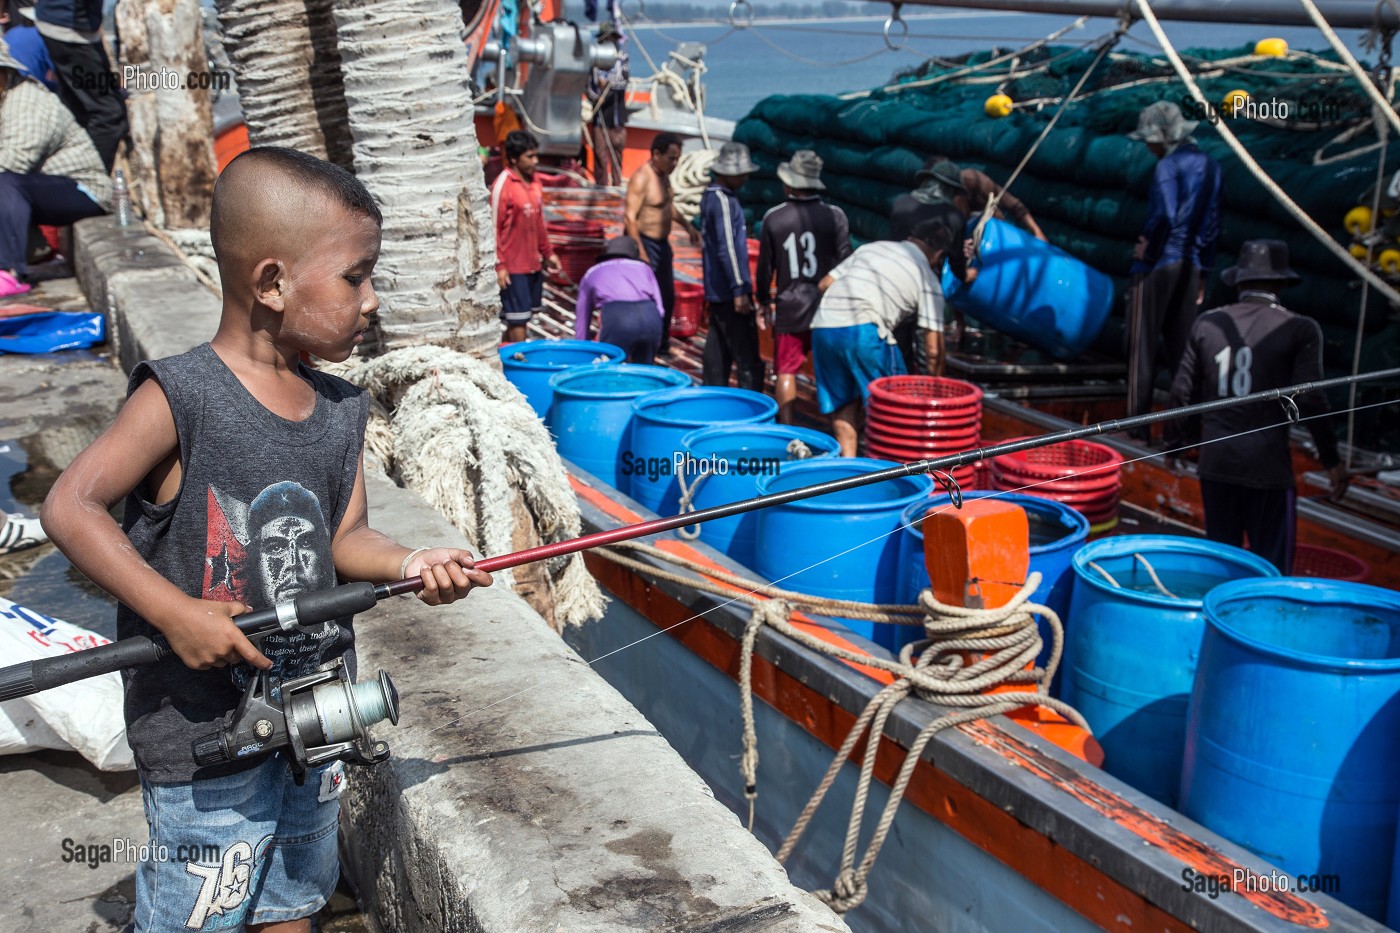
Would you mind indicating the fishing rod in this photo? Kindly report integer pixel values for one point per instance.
(28, 677)
(323, 716)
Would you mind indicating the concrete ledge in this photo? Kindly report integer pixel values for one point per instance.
(155, 305)
(525, 793)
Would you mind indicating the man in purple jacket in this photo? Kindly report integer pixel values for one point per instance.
(733, 337)
(1174, 253)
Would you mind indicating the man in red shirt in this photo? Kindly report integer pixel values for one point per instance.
(517, 204)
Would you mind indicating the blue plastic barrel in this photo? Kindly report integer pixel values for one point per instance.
(1130, 652)
(843, 545)
(661, 419)
(1293, 741)
(748, 453)
(530, 364)
(1033, 291)
(1056, 532)
(592, 412)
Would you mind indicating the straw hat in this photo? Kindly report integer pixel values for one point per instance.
(1163, 123)
(733, 160)
(802, 171)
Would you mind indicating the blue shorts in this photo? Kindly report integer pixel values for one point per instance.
(250, 847)
(847, 360)
(522, 297)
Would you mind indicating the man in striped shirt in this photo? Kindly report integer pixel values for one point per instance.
(732, 341)
(864, 299)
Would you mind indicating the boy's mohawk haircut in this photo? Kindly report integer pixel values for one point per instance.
(304, 169)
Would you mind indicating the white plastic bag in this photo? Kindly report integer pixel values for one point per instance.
(85, 716)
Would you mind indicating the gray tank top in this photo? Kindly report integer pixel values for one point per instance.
(259, 503)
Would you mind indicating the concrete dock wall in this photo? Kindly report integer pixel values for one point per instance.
(524, 792)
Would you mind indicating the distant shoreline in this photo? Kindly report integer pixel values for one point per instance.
(834, 20)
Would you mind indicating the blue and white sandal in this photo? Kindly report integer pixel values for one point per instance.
(19, 534)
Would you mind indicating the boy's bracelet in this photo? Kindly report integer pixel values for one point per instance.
(403, 568)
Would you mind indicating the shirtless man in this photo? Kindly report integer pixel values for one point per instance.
(648, 219)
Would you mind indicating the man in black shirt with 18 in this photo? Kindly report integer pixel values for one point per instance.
(1247, 483)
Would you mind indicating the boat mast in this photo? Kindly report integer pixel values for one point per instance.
(1341, 14)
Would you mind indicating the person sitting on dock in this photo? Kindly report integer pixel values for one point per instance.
(1246, 467)
(623, 291)
(1174, 253)
(864, 300)
(517, 204)
(648, 215)
(227, 457)
(50, 172)
(801, 240)
(732, 341)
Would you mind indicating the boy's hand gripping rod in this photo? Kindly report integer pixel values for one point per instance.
(20, 680)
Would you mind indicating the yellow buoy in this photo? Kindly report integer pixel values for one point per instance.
(998, 105)
(1389, 261)
(1358, 251)
(1274, 48)
(1358, 220)
(1233, 101)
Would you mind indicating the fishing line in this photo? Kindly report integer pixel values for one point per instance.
(901, 528)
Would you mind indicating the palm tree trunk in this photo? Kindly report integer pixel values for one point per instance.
(172, 129)
(405, 76)
(287, 64)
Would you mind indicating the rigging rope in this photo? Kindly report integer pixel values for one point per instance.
(990, 210)
(1383, 132)
(1249, 162)
(1350, 61)
(971, 69)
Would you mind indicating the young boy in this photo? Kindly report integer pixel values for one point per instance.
(522, 242)
(242, 475)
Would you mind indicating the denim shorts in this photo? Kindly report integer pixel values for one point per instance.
(244, 848)
(522, 297)
(847, 359)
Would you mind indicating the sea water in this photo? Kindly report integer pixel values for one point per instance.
(831, 56)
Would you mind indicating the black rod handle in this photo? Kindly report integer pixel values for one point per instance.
(20, 680)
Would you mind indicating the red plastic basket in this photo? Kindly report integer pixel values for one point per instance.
(1312, 560)
(690, 308)
(924, 394)
(1068, 460)
(941, 436)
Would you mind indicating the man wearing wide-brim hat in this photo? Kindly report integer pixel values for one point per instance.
(1246, 468)
(732, 341)
(801, 240)
(1174, 253)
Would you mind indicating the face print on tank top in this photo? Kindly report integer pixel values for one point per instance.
(267, 552)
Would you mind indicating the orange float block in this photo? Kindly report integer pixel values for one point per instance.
(978, 556)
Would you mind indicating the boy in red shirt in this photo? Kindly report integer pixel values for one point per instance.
(517, 204)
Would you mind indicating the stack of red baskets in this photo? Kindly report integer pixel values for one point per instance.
(1082, 475)
(577, 243)
(911, 418)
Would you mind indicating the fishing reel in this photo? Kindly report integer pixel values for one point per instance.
(319, 717)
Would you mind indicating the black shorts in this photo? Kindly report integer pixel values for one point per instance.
(522, 297)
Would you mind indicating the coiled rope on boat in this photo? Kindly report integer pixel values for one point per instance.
(941, 669)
